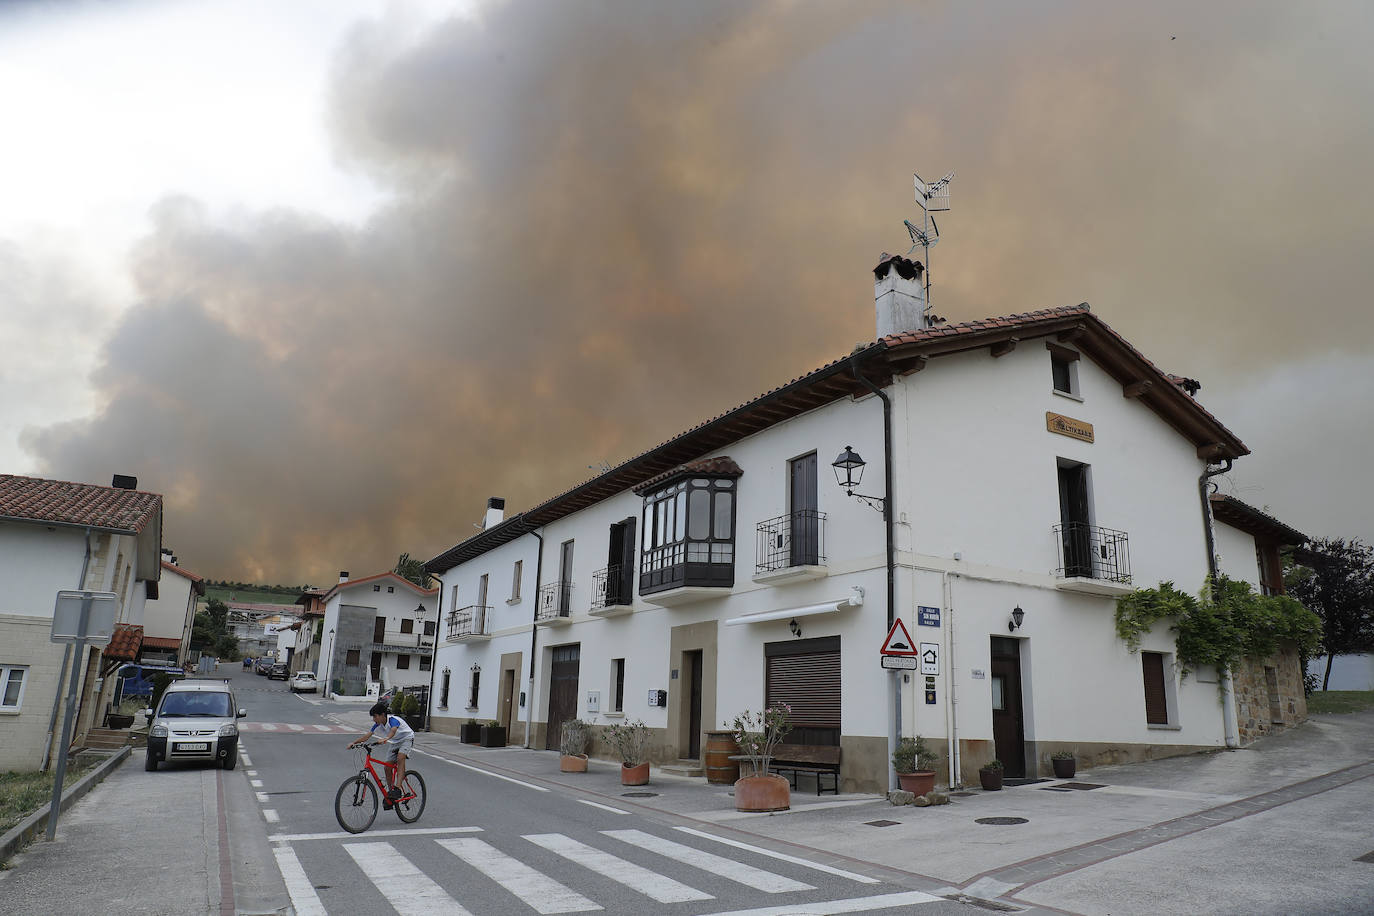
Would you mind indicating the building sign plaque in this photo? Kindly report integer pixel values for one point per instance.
(1068, 426)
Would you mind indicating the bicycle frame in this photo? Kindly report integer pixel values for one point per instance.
(381, 784)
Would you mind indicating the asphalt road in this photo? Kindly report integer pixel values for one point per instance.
(491, 844)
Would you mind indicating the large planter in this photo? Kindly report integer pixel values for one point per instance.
(762, 793)
(720, 769)
(917, 783)
(572, 763)
(634, 774)
(991, 780)
(493, 736)
(416, 722)
(470, 733)
(1064, 767)
(119, 721)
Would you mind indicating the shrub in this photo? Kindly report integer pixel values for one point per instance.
(913, 754)
(575, 738)
(630, 740)
(759, 734)
(1062, 755)
(992, 765)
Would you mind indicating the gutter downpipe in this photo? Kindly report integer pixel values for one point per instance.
(895, 728)
(434, 653)
(534, 636)
(66, 657)
(1228, 690)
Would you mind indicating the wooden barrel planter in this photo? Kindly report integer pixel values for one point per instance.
(720, 769)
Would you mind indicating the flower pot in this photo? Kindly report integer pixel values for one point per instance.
(762, 793)
(493, 736)
(118, 721)
(470, 733)
(572, 763)
(1064, 767)
(991, 779)
(634, 774)
(917, 783)
(720, 769)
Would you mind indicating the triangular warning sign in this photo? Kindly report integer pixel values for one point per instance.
(898, 641)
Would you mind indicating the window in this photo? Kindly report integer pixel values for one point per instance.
(12, 687)
(617, 685)
(515, 580)
(391, 589)
(407, 625)
(689, 535)
(472, 687)
(443, 689)
(482, 591)
(379, 630)
(376, 588)
(352, 658)
(431, 627)
(426, 663)
(1156, 697)
(402, 662)
(1063, 369)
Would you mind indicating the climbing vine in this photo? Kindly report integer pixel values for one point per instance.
(1229, 623)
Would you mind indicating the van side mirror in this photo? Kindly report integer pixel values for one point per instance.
(149, 713)
(242, 713)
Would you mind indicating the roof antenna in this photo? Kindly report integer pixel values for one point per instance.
(933, 198)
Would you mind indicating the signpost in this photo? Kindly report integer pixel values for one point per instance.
(79, 617)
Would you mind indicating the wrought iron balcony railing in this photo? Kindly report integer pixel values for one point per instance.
(611, 588)
(555, 600)
(468, 621)
(796, 539)
(1089, 552)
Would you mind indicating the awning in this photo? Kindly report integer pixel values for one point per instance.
(828, 607)
(125, 642)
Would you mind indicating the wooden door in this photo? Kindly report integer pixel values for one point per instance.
(805, 523)
(563, 670)
(379, 630)
(507, 697)
(692, 662)
(1008, 728)
(1075, 521)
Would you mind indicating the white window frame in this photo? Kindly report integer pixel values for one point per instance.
(517, 571)
(7, 672)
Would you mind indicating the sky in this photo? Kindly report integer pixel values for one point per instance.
(328, 275)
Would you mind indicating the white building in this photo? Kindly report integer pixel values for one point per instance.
(378, 630)
(168, 618)
(1036, 467)
(54, 536)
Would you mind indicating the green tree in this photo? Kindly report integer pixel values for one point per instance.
(202, 632)
(1334, 578)
(218, 612)
(414, 570)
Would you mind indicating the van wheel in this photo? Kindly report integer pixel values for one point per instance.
(230, 761)
(150, 762)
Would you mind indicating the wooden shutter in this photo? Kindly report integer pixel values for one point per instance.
(810, 684)
(1156, 704)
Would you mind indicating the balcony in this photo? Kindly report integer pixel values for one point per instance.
(612, 592)
(469, 624)
(397, 641)
(791, 548)
(1092, 560)
(555, 604)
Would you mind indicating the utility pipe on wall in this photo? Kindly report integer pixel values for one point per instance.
(534, 635)
(434, 650)
(1228, 689)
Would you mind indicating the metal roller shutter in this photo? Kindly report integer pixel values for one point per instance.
(810, 684)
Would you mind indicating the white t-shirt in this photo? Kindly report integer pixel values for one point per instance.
(403, 731)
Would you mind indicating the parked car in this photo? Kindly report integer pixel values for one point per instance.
(278, 672)
(196, 720)
(262, 665)
(304, 682)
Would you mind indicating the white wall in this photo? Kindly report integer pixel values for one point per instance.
(166, 615)
(1236, 557)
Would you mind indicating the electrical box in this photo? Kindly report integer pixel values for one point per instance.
(593, 701)
(658, 698)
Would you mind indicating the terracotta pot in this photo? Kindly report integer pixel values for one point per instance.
(762, 793)
(1064, 767)
(720, 769)
(917, 783)
(634, 775)
(573, 763)
(991, 780)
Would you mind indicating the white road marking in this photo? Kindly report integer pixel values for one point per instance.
(651, 884)
(268, 726)
(340, 835)
(852, 905)
(756, 878)
(539, 891)
(323, 728)
(255, 783)
(405, 887)
(262, 797)
(271, 816)
(601, 806)
(527, 785)
(304, 900)
(251, 773)
(296, 728)
(853, 876)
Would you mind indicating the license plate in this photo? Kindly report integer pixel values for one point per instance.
(194, 746)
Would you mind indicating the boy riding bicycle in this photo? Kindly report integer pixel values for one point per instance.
(401, 740)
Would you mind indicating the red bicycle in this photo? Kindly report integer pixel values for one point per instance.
(355, 805)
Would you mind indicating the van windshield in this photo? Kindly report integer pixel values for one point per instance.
(196, 704)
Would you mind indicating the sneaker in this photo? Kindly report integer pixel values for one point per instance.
(386, 805)
(395, 792)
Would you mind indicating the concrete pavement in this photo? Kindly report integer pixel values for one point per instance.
(1233, 831)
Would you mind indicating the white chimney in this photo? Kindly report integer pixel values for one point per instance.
(899, 295)
(496, 511)
(343, 576)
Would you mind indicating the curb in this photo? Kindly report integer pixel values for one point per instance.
(29, 827)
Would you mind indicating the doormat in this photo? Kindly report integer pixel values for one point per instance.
(1020, 781)
(1081, 785)
(881, 823)
(1001, 821)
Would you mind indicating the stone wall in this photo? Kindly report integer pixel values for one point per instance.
(1269, 695)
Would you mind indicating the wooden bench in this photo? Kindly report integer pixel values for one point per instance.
(793, 760)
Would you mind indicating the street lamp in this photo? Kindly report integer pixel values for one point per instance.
(419, 625)
(849, 471)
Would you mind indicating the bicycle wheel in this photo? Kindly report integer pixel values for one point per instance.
(355, 805)
(411, 809)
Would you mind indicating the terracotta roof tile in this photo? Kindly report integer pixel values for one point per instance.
(722, 465)
(161, 642)
(125, 642)
(58, 502)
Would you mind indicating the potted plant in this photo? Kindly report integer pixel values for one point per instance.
(758, 735)
(914, 762)
(122, 716)
(493, 735)
(407, 707)
(470, 732)
(990, 775)
(572, 746)
(1064, 764)
(630, 740)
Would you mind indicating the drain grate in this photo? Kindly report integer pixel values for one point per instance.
(1053, 789)
(1023, 781)
(979, 902)
(881, 823)
(1001, 821)
(639, 794)
(962, 794)
(1081, 785)
(1367, 857)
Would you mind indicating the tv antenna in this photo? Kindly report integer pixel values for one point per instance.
(933, 198)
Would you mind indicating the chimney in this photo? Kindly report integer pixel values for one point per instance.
(496, 511)
(343, 576)
(124, 482)
(899, 295)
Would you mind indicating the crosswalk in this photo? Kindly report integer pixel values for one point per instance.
(294, 728)
(405, 867)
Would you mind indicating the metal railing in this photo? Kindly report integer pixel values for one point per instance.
(796, 539)
(1089, 552)
(468, 621)
(555, 600)
(610, 589)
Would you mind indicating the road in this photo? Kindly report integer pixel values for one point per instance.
(489, 843)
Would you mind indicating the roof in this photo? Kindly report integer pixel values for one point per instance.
(723, 466)
(125, 642)
(1252, 521)
(197, 582)
(161, 642)
(80, 505)
(374, 579)
(288, 609)
(878, 364)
